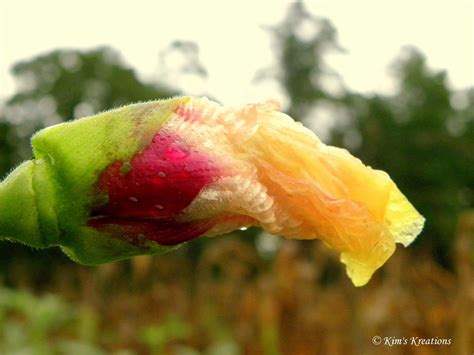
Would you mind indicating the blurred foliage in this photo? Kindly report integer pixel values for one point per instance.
(254, 294)
(157, 336)
(31, 325)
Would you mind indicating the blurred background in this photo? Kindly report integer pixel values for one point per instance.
(391, 82)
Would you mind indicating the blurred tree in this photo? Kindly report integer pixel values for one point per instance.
(302, 42)
(421, 136)
(181, 65)
(185, 57)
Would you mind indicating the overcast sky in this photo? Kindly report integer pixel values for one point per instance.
(233, 45)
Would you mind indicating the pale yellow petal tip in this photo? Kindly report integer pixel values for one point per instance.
(406, 233)
(359, 273)
(404, 224)
(403, 220)
(361, 266)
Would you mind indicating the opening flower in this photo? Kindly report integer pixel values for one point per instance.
(146, 177)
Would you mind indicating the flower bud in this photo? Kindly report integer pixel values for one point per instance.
(146, 177)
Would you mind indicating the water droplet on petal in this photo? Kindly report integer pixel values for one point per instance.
(133, 199)
(161, 174)
(243, 228)
(160, 207)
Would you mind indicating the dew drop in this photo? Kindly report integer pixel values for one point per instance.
(133, 199)
(161, 174)
(243, 228)
(160, 207)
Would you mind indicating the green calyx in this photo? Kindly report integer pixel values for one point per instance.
(47, 201)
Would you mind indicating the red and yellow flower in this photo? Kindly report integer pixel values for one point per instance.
(149, 176)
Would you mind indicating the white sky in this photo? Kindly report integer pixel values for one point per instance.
(233, 45)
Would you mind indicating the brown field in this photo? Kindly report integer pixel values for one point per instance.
(297, 302)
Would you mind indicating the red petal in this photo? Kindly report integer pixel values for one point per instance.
(163, 180)
(158, 184)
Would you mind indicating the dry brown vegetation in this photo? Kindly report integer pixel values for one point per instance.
(297, 302)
